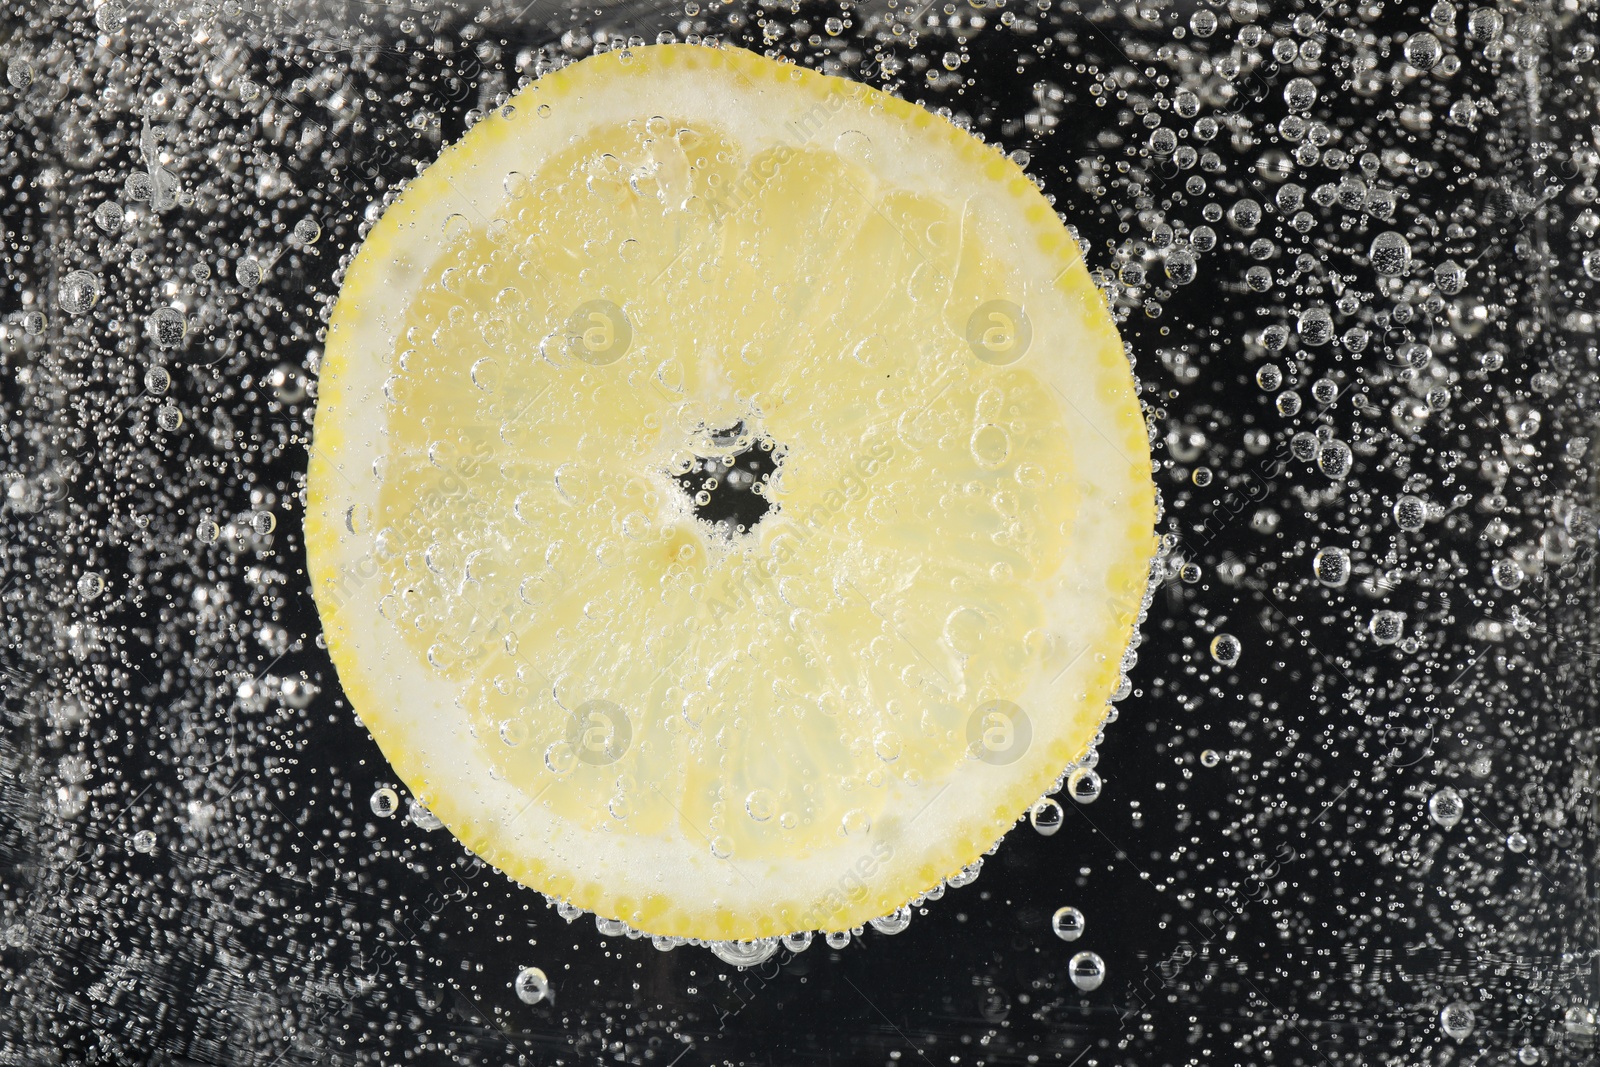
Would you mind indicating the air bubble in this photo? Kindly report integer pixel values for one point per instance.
(1390, 254)
(1046, 816)
(79, 292)
(1067, 923)
(1456, 1020)
(421, 817)
(1083, 786)
(167, 327)
(1386, 627)
(384, 802)
(1088, 971)
(1410, 513)
(1423, 51)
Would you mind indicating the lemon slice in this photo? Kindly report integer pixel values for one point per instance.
(729, 504)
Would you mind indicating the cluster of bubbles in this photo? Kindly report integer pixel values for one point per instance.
(1350, 797)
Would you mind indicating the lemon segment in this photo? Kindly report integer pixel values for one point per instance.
(579, 332)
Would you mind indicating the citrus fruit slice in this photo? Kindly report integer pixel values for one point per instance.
(729, 504)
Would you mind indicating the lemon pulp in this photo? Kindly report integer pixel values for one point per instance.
(729, 502)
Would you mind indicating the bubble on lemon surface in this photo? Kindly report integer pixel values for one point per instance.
(420, 817)
(1046, 816)
(532, 987)
(1084, 785)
